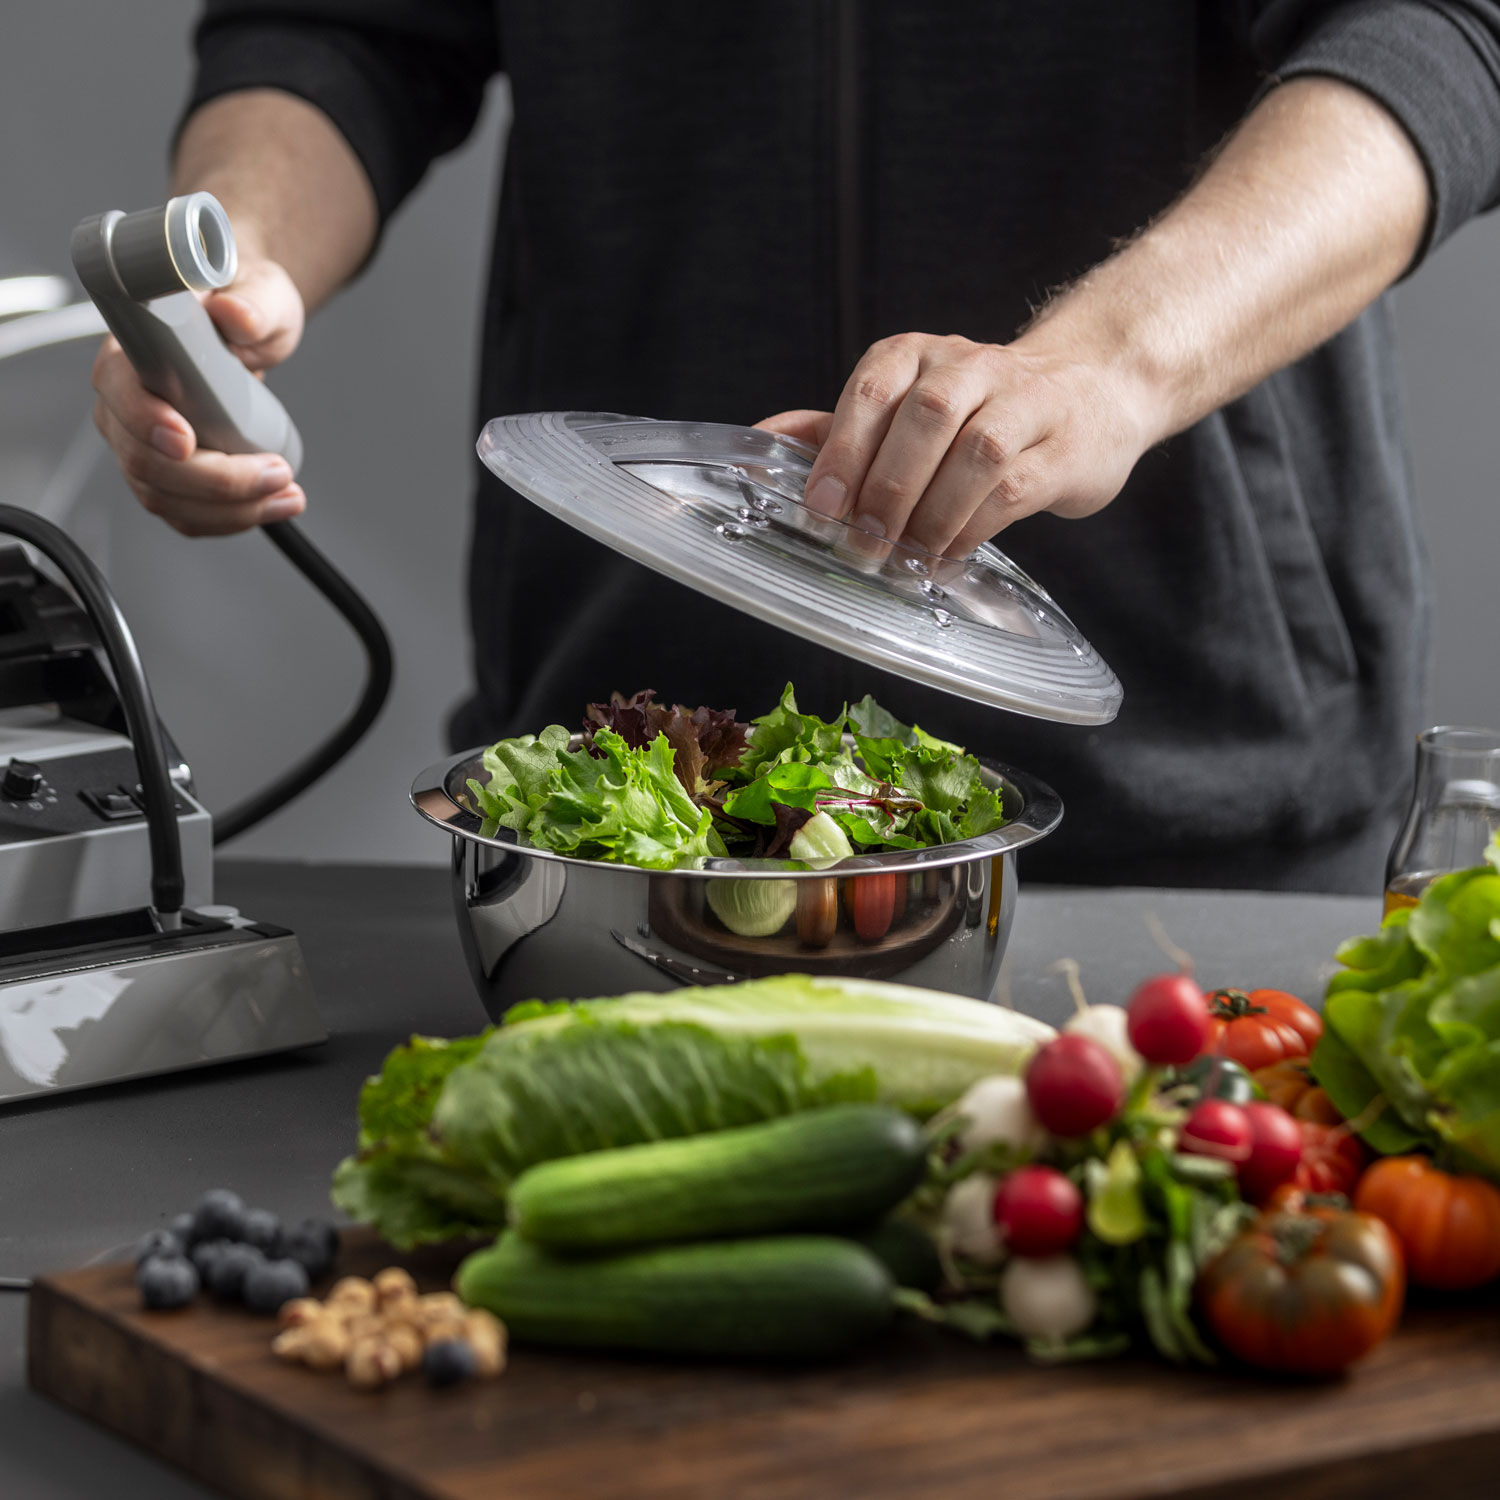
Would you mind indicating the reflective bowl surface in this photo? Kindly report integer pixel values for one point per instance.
(540, 925)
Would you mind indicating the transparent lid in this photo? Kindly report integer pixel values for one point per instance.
(720, 509)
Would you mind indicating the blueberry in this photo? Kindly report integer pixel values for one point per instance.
(220, 1215)
(262, 1229)
(160, 1242)
(448, 1361)
(205, 1254)
(273, 1282)
(182, 1227)
(227, 1273)
(315, 1243)
(166, 1281)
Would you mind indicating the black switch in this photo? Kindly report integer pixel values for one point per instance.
(22, 781)
(112, 802)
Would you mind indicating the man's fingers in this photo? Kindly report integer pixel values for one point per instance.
(147, 418)
(260, 316)
(860, 422)
(1031, 483)
(990, 464)
(810, 426)
(920, 435)
(214, 518)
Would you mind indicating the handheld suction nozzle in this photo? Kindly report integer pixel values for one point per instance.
(143, 271)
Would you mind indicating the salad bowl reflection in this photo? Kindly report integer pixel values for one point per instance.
(536, 924)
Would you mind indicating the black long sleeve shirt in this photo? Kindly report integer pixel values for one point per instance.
(708, 212)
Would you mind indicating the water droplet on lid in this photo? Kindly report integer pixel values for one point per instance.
(942, 617)
(766, 505)
(745, 513)
(932, 593)
(732, 532)
(916, 565)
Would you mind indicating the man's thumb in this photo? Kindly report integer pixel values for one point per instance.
(260, 315)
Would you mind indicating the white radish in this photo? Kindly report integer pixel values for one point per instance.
(968, 1223)
(1107, 1024)
(995, 1112)
(1049, 1298)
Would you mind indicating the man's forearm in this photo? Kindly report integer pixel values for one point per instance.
(1312, 209)
(294, 190)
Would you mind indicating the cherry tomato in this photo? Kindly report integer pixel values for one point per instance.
(1038, 1211)
(1448, 1225)
(1168, 1020)
(1216, 1128)
(1332, 1158)
(1275, 1151)
(872, 904)
(1074, 1085)
(817, 912)
(1262, 1027)
(1305, 1293)
(1290, 1084)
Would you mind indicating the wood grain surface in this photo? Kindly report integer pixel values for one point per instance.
(922, 1414)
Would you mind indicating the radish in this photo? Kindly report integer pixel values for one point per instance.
(968, 1222)
(1038, 1211)
(1047, 1299)
(1219, 1129)
(1109, 1026)
(1168, 1019)
(1275, 1151)
(995, 1112)
(1074, 1085)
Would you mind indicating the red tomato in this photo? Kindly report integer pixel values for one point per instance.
(1448, 1225)
(1168, 1020)
(1216, 1128)
(872, 904)
(1332, 1159)
(1262, 1027)
(1074, 1085)
(1275, 1151)
(1290, 1084)
(1305, 1293)
(1038, 1211)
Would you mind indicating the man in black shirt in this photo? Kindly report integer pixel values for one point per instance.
(718, 212)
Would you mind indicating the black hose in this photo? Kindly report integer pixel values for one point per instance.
(135, 696)
(336, 589)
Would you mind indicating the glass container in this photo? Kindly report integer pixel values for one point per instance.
(1454, 812)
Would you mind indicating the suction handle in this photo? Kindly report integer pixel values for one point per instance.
(142, 271)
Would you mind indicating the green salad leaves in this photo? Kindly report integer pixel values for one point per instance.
(661, 786)
(1413, 1019)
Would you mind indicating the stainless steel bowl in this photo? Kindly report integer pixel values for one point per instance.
(539, 925)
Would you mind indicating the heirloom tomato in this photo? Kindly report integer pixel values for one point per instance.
(1448, 1225)
(1262, 1027)
(1305, 1292)
(1332, 1159)
(1290, 1084)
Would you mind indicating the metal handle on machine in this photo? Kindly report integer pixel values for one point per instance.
(135, 697)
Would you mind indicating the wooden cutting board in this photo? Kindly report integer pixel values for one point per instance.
(922, 1415)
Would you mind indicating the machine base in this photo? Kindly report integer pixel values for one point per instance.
(107, 999)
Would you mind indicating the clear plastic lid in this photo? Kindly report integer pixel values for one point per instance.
(720, 509)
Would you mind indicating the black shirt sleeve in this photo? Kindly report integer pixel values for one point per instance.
(1435, 64)
(403, 80)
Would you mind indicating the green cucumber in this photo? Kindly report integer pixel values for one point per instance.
(907, 1251)
(797, 1297)
(825, 1169)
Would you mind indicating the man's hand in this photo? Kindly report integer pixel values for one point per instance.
(198, 492)
(1314, 207)
(945, 442)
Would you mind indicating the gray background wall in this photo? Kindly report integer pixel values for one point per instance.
(247, 664)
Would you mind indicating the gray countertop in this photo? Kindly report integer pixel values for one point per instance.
(83, 1176)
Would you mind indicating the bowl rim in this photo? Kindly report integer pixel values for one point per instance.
(436, 797)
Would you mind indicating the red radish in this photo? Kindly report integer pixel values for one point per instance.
(1038, 1211)
(1074, 1085)
(1275, 1151)
(1169, 1021)
(1219, 1129)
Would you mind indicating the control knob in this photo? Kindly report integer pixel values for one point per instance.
(22, 781)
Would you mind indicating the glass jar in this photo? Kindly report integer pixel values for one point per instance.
(1454, 812)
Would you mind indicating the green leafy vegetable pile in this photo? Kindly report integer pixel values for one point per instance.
(446, 1127)
(661, 787)
(1414, 1020)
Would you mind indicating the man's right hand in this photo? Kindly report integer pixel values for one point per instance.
(196, 491)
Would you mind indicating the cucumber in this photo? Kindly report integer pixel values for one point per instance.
(825, 1169)
(793, 1297)
(906, 1250)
